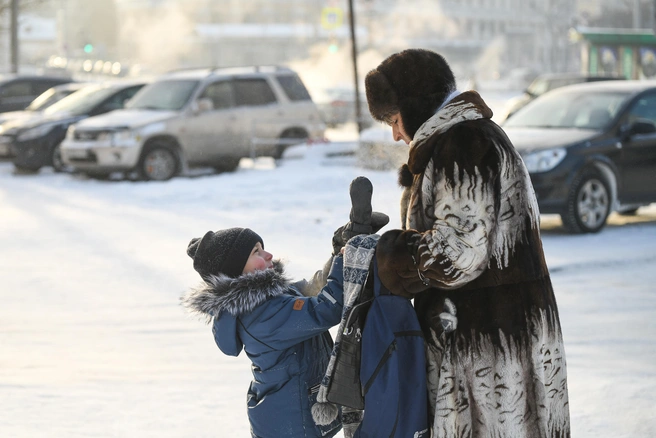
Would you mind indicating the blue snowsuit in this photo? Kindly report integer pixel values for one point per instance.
(285, 335)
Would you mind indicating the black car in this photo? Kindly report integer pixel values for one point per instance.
(551, 81)
(590, 149)
(17, 92)
(35, 142)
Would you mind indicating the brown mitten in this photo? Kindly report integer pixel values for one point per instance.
(397, 269)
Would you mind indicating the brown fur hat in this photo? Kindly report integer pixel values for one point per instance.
(413, 82)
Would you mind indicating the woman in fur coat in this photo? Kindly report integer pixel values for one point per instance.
(471, 256)
(254, 307)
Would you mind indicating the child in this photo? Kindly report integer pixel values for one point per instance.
(285, 334)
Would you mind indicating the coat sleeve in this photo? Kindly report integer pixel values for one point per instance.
(287, 319)
(456, 248)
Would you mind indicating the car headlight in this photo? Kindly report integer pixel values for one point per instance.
(70, 132)
(36, 132)
(543, 161)
(124, 136)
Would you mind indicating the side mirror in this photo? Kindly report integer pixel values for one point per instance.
(641, 126)
(203, 105)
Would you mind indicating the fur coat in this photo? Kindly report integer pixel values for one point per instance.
(471, 255)
(285, 335)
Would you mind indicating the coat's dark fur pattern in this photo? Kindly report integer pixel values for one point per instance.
(220, 293)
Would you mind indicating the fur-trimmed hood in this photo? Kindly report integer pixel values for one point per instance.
(236, 296)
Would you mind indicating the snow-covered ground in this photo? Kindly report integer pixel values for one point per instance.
(93, 341)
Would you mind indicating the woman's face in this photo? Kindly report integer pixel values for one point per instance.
(398, 131)
(259, 260)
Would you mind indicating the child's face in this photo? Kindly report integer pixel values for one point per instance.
(259, 260)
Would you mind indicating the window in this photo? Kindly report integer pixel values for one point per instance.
(249, 92)
(39, 87)
(220, 93)
(644, 108)
(118, 100)
(165, 95)
(294, 88)
(570, 109)
(16, 89)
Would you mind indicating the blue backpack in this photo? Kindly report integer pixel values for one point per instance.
(392, 369)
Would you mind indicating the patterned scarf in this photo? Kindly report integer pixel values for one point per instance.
(358, 254)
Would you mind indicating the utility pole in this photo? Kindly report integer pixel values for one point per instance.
(14, 36)
(636, 14)
(354, 53)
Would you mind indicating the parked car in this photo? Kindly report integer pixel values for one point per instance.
(197, 118)
(337, 106)
(590, 149)
(548, 82)
(46, 99)
(36, 142)
(17, 92)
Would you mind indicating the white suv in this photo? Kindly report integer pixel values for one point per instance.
(197, 118)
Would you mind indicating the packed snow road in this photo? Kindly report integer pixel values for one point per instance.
(93, 341)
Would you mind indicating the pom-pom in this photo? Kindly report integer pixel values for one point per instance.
(405, 176)
(324, 413)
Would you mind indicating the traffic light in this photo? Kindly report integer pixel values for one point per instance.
(88, 48)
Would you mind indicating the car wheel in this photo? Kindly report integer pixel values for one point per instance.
(285, 137)
(588, 204)
(159, 162)
(228, 164)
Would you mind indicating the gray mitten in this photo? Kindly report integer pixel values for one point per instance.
(361, 219)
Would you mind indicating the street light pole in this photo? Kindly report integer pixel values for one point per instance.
(14, 36)
(354, 53)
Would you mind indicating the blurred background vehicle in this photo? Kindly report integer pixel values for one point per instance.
(551, 81)
(43, 101)
(590, 149)
(18, 91)
(199, 117)
(337, 107)
(35, 142)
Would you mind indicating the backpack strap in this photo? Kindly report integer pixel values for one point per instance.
(379, 288)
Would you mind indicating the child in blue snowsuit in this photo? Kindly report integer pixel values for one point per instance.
(254, 307)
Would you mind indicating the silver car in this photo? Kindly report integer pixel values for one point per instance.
(197, 118)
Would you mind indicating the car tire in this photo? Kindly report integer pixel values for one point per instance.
(292, 133)
(588, 203)
(159, 162)
(228, 164)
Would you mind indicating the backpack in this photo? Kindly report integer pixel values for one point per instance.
(392, 368)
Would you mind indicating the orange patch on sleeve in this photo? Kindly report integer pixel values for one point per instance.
(298, 304)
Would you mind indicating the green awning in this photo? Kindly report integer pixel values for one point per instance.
(627, 37)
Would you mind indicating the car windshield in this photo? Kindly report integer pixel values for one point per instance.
(82, 101)
(571, 109)
(44, 100)
(167, 95)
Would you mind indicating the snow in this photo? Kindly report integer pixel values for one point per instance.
(94, 343)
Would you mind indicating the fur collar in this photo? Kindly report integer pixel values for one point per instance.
(237, 296)
(466, 106)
